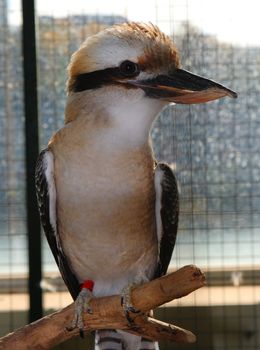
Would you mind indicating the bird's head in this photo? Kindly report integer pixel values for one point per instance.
(135, 64)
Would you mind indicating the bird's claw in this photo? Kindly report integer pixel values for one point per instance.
(82, 305)
(126, 302)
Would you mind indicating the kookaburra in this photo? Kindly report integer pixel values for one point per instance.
(109, 210)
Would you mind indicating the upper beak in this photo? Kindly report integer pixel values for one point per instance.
(181, 86)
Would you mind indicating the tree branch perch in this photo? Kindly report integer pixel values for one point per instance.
(108, 314)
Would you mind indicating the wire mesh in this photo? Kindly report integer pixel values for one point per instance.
(213, 149)
(13, 248)
(209, 147)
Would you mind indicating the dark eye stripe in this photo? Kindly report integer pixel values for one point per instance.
(97, 79)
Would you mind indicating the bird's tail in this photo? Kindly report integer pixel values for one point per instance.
(119, 340)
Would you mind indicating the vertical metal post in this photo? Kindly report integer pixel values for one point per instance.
(32, 151)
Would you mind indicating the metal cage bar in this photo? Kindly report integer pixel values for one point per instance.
(32, 151)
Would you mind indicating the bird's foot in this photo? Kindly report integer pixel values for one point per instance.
(126, 302)
(82, 305)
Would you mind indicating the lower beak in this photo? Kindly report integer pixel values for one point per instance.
(183, 87)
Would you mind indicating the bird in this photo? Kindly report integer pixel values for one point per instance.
(109, 209)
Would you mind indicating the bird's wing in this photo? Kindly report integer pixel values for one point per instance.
(46, 195)
(167, 214)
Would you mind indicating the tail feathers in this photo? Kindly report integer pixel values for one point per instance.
(147, 344)
(108, 339)
(118, 340)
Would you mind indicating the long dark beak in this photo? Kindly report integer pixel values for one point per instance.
(181, 86)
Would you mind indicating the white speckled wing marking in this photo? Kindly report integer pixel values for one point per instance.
(158, 204)
(167, 213)
(46, 196)
(48, 166)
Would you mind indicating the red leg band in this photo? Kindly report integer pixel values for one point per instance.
(88, 284)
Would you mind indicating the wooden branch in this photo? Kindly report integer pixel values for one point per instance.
(108, 314)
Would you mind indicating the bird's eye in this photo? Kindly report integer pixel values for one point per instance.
(129, 69)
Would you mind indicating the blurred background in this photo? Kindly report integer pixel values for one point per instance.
(214, 150)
